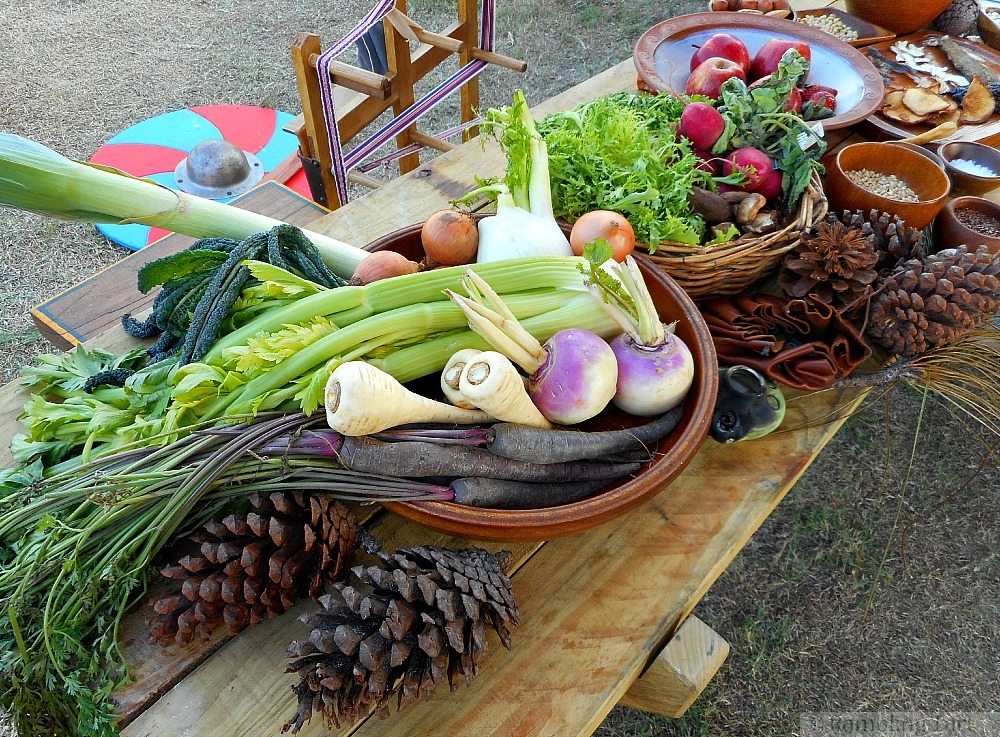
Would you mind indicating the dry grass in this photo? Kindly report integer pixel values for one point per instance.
(821, 608)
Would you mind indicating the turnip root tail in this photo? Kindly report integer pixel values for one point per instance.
(535, 445)
(362, 399)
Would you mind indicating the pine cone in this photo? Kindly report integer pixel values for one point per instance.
(835, 265)
(256, 565)
(423, 625)
(961, 18)
(926, 303)
(888, 234)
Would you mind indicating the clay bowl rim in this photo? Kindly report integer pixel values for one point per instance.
(958, 227)
(675, 452)
(974, 184)
(894, 22)
(925, 209)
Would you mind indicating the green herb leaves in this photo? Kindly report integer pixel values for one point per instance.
(621, 152)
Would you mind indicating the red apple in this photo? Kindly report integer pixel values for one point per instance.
(702, 124)
(751, 162)
(708, 77)
(766, 60)
(725, 45)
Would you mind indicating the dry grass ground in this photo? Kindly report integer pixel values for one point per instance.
(825, 609)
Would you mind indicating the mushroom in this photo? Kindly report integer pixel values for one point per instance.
(749, 207)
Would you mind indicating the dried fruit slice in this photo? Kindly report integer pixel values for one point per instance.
(894, 109)
(924, 102)
(978, 104)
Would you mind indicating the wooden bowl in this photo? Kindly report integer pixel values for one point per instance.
(950, 231)
(899, 16)
(673, 453)
(958, 156)
(928, 181)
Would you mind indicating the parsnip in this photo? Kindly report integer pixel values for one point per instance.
(361, 399)
(491, 382)
(452, 373)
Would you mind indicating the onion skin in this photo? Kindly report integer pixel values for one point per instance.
(606, 224)
(382, 265)
(578, 378)
(450, 238)
(651, 380)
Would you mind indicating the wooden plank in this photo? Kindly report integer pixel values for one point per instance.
(95, 305)
(596, 608)
(680, 672)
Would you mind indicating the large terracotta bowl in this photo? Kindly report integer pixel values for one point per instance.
(899, 16)
(673, 453)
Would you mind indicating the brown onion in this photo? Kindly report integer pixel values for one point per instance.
(606, 224)
(450, 238)
(382, 265)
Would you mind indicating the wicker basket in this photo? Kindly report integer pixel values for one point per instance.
(729, 268)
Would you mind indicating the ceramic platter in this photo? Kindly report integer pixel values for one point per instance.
(662, 58)
(985, 55)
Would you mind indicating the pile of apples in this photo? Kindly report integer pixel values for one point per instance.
(724, 55)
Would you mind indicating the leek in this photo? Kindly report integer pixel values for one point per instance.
(36, 178)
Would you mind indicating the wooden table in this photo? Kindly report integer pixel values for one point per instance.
(600, 611)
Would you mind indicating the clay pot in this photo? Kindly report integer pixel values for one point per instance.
(950, 232)
(899, 16)
(917, 171)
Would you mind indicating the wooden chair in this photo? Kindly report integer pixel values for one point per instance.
(358, 96)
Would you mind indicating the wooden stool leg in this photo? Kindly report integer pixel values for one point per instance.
(306, 45)
(680, 672)
(468, 17)
(398, 52)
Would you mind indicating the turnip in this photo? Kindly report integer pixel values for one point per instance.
(570, 379)
(655, 367)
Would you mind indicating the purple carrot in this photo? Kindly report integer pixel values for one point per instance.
(416, 459)
(533, 445)
(506, 494)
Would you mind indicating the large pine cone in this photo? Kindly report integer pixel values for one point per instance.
(256, 565)
(423, 624)
(892, 240)
(926, 303)
(835, 264)
(961, 18)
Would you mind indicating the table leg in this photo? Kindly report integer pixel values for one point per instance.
(680, 672)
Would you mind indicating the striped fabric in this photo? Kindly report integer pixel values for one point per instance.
(342, 163)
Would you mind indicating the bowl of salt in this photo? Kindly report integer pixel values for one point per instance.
(974, 168)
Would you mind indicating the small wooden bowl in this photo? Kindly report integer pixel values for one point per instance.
(964, 181)
(899, 16)
(950, 232)
(673, 453)
(929, 182)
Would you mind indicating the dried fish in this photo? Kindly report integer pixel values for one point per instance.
(963, 61)
(918, 59)
(887, 67)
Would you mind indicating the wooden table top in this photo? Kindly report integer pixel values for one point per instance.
(596, 607)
